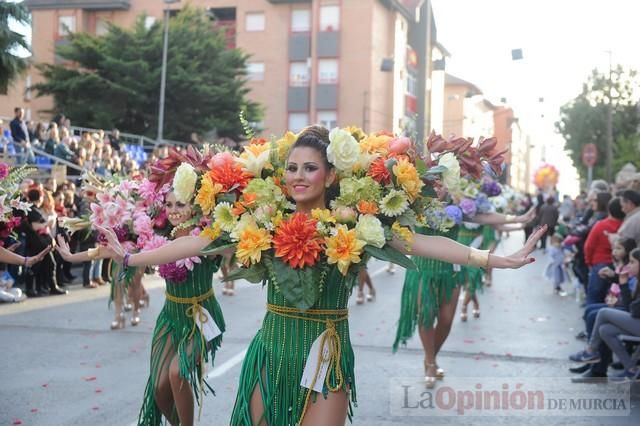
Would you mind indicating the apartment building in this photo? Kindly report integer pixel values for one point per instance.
(333, 62)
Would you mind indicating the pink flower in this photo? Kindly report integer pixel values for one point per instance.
(400, 145)
(4, 170)
(171, 272)
(161, 220)
(126, 186)
(147, 189)
(97, 215)
(104, 197)
(154, 242)
(188, 262)
(220, 160)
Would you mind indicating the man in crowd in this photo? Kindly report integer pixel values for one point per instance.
(20, 135)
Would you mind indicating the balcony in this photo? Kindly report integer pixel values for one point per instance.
(79, 4)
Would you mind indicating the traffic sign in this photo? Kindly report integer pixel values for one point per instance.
(589, 155)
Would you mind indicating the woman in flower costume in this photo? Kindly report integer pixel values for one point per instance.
(312, 256)
(430, 293)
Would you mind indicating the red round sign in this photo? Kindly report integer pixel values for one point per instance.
(589, 155)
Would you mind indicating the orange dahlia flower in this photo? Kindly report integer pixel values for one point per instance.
(230, 175)
(296, 241)
(379, 172)
(344, 248)
(367, 207)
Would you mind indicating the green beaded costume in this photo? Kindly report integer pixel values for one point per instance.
(424, 291)
(469, 277)
(277, 355)
(176, 327)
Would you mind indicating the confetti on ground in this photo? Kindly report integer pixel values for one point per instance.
(17, 422)
(95, 408)
(98, 390)
(34, 410)
(89, 378)
(98, 366)
(45, 385)
(469, 341)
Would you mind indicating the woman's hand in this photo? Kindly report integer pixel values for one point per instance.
(38, 257)
(521, 257)
(63, 248)
(113, 247)
(623, 277)
(606, 272)
(527, 217)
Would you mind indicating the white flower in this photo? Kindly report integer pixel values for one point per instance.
(184, 182)
(369, 229)
(18, 205)
(343, 151)
(450, 177)
(224, 217)
(252, 163)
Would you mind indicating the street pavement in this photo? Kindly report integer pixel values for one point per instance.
(63, 366)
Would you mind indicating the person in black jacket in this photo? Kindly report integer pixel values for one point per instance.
(38, 238)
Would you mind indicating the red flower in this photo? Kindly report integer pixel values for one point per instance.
(379, 172)
(296, 241)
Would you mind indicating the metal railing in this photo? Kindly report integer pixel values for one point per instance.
(145, 142)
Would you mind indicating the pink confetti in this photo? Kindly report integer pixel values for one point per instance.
(494, 365)
(508, 354)
(89, 378)
(133, 350)
(17, 422)
(95, 408)
(34, 410)
(45, 385)
(98, 366)
(360, 334)
(98, 390)
(469, 341)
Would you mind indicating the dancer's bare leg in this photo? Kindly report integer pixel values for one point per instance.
(327, 412)
(162, 392)
(427, 337)
(256, 406)
(182, 394)
(445, 319)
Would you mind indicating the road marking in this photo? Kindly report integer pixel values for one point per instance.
(227, 365)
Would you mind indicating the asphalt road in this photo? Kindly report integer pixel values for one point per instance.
(63, 366)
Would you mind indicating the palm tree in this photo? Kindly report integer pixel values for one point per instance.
(11, 65)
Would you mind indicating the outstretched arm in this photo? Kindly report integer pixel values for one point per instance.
(7, 256)
(100, 252)
(447, 250)
(180, 248)
(502, 219)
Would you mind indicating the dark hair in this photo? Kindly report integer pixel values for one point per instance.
(635, 253)
(316, 137)
(629, 244)
(615, 208)
(602, 201)
(551, 200)
(632, 197)
(34, 195)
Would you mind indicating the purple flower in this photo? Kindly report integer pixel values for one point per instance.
(172, 272)
(468, 207)
(4, 170)
(491, 187)
(483, 204)
(454, 213)
(121, 231)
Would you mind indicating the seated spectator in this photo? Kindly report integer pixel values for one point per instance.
(611, 323)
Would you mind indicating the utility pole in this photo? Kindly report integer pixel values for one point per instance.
(609, 146)
(163, 77)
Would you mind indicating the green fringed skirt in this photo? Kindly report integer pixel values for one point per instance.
(424, 291)
(177, 338)
(488, 237)
(120, 282)
(276, 358)
(470, 277)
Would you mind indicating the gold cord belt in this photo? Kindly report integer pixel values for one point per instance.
(330, 338)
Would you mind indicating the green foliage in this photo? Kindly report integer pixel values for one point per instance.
(626, 151)
(11, 66)
(116, 82)
(584, 119)
(389, 254)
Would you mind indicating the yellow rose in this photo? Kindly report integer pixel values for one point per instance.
(408, 178)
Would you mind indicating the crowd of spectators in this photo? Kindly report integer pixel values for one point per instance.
(594, 244)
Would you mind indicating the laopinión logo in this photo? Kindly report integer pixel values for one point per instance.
(508, 396)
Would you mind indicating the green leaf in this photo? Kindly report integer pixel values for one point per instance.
(421, 166)
(255, 274)
(216, 247)
(389, 254)
(436, 170)
(299, 286)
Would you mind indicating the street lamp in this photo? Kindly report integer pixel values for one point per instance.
(163, 78)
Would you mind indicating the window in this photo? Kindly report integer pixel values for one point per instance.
(298, 74)
(329, 18)
(149, 21)
(66, 25)
(327, 71)
(328, 119)
(254, 21)
(255, 71)
(298, 121)
(300, 20)
(102, 26)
